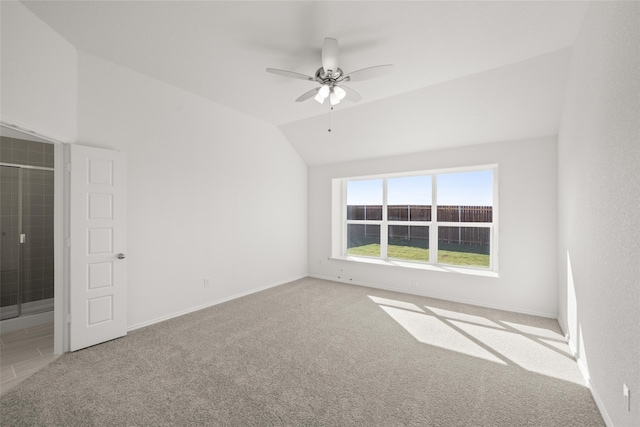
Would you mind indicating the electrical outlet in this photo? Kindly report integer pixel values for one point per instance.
(627, 394)
(206, 283)
(414, 283)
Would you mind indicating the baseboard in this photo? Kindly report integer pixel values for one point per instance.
(587, 378)
(209, 304)
(429, 295)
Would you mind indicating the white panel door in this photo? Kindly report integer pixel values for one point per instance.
(98, 242)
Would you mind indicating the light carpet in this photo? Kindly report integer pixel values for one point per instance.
(317, 353)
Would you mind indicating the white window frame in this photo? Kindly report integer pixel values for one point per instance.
(340, 221)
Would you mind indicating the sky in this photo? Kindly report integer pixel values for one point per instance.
(464, 188)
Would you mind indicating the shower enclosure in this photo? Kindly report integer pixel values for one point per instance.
(26, 227)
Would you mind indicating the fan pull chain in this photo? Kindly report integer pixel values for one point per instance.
(330, 118)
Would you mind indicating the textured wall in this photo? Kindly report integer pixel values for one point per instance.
(599, 198)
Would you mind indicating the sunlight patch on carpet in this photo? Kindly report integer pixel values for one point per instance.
(464, 317)
(432, 331)
(396, 303)
(533, 348)
(527, 352)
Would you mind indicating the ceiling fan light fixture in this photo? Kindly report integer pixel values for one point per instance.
(323, 93)
(340, 93)
(333, 97)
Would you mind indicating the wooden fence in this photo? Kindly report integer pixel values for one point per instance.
(476, 236)
(421, 213)
(450, 234)
(465, 213)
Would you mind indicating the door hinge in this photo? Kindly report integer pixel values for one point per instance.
(67, 242)
(67, 167)
(23, 238)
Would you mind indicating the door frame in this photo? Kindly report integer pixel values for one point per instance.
(60, 229)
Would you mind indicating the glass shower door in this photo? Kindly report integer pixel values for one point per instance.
(26, 241)
(36, 276)
(10, 226)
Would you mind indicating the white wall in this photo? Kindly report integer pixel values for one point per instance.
(212, 193)
(528, 226)
(39, 75)
(599, 197)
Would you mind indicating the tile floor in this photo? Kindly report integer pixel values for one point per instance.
(24, 352)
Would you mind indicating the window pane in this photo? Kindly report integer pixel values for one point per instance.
(363, 240)
(408, 243)
(465, 197)
(464, 246)
(364, 199)
(368, 212)
(409, 198)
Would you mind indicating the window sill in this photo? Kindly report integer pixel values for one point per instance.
(418, 266)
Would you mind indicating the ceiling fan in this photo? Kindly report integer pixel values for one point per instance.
(330, 77)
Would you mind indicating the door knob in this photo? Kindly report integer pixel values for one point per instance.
(121, 256)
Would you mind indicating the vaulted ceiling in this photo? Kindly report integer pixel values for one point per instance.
(465, 72)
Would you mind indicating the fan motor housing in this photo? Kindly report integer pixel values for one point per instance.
(328, 78)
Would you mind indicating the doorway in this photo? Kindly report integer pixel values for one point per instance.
(30, 295)
(26, 229)
(89, 208)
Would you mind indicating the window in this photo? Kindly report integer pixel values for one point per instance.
(444, 218)
(364, 217)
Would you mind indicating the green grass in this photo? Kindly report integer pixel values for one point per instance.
(412, 253)
(463, 258)
(372, 249)
(408, 253)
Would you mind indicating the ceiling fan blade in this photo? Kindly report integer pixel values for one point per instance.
(307, 95)
(330, 55)
(291, 74)
(368, 73)
(352, 95)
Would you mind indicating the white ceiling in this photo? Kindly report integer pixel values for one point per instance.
(459, 74)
